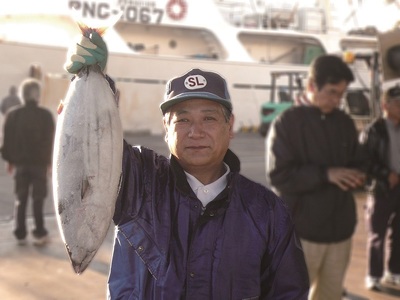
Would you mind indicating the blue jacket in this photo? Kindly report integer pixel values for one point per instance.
(243, 245)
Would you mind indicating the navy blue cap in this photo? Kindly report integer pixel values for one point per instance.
(196, 84)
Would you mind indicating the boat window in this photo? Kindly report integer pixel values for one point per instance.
(171, 41)
(357, 103)
(281, 49)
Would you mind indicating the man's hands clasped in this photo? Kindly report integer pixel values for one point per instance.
(346, 178)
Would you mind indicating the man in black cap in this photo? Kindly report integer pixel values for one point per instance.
(191, 226)
(381, 141)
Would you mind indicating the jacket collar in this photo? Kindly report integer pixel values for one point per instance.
(31, 103)
(230, 159)
(379, 124)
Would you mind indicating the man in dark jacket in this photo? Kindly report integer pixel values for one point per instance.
(10, 101)
(381, 141)
(191, 226)
(27, 147)
(311, 162)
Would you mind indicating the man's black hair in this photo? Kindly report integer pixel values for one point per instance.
(330, 69)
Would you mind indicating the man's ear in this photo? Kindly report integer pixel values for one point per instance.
(311, 86)
(166, 129)
(384, 106)
(231, 122)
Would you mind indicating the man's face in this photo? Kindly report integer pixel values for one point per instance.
(198, 134)
(329, 96)
(392, 109)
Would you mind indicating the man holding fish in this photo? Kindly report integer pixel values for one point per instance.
(191, 226)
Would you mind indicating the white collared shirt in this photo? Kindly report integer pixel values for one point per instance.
(207, 193)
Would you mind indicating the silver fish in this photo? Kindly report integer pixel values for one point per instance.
(87, 163)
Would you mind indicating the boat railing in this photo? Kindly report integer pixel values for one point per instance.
(304, 19)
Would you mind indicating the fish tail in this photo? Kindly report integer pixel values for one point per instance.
(99, 28)
(87, 31)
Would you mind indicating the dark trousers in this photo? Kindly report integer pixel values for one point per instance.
(34, 179)
(383, 217)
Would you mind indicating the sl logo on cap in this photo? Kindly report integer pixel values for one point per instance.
(194, 82)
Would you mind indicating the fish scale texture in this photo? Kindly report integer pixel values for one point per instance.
(87, 165)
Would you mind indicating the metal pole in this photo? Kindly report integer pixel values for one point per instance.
(375, 86)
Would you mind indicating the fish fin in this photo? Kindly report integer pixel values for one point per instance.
(60, 107)
(84, 187)
(119, 184)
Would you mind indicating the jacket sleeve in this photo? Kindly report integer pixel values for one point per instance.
(370, 140)
(48, 137)
(131, 183)
(139, 171)
(284, 172)
(284, 272)
(8, 139)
